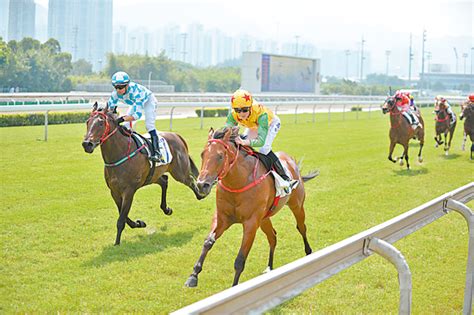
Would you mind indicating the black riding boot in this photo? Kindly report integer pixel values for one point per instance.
(155, 147)
(278, 167)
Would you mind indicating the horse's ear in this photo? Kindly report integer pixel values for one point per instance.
(211, 132)
(106, 108)
(94, 107)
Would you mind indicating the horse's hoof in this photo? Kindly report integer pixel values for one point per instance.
(191, 282)
(420, 159)
(436, 145)
(141, 224)
(267, 270)
(168, 211)
(446, 152)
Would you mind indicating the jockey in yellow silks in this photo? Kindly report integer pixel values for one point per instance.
(261, 127)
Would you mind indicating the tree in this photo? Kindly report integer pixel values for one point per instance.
(81, 67)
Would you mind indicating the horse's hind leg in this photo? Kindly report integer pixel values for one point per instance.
(184, 177)
(163, 182)
(464, 139)
(298, 212)
(405, 154)
(270, 232)
(219, 225)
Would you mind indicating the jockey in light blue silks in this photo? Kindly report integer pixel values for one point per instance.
(141, 101)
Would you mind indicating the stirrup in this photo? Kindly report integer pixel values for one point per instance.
(157, 158)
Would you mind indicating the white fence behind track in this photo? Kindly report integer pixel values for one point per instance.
(269, 290)
(293, 104)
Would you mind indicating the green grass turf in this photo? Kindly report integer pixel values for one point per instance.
(57, 252)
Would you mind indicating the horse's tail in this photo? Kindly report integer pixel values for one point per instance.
(308, 176)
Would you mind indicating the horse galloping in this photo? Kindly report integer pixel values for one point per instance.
(443, 126)
(401, 131)
(126, 170)
(245, 193)
(467, 112)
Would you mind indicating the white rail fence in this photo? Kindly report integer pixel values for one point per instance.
(289, 103)
(269, 290)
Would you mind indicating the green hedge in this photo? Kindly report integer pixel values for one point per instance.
(8, 120)
(212, 112)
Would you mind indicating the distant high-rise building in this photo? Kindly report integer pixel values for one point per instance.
(83, 28)
(41, 23)
(4, 4)
(21, 19)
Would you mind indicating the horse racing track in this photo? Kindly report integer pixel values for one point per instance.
(59, 224)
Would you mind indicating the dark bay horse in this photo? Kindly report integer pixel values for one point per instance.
(443, 126)
(244, 195)
(133, 172)
(468, 114)
(401, 131)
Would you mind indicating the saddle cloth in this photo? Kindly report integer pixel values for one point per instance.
(282, 187)
(164, 147)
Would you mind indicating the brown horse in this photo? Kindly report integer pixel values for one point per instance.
(401, 131)
(467, 111)
(126, 170)
(443, 126)
(245, 193)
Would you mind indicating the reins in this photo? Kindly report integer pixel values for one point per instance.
(223, 173)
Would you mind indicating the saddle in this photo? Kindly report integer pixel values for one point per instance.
(145, 140)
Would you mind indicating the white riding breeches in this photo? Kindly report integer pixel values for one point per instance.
(150, 114)
(411, 118)
(271, 134)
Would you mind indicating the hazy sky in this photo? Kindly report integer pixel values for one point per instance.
(336, 24)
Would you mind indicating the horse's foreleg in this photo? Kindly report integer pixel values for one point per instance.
(250, 229)
(270, 232)
(219, 225)
(163, 182)
(127, 199)
(390, 151)
(133, 224)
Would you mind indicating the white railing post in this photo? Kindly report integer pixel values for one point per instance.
(46, 125)
(389, 252)
(469, 288)
(171, 118)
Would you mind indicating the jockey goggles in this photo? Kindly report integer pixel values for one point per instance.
(120, 86)
(242, 110)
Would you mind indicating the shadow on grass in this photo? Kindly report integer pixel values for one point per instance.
(145, 245)
(451, 156)
(411, 172)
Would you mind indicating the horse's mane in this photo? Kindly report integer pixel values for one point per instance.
(219, 134)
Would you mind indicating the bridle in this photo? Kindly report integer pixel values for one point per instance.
(106, 134)
(223, 173)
